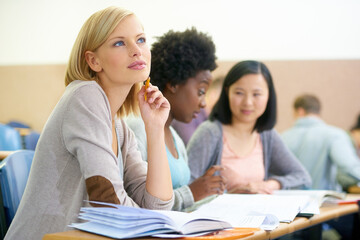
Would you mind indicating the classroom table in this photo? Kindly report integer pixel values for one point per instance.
(4, 154)
(23, 131)
(354, 189)
(326, 214)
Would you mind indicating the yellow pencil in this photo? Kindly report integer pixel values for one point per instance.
(146, 86)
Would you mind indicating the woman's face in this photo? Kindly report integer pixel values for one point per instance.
(188, 98)
(248, 98)
(125, 57)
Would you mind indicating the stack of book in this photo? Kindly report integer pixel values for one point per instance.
(118, 221)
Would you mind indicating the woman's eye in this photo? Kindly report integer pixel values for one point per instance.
(256, 94)
(119, 43)
(142, 40)
(238, 93)
(201, 92)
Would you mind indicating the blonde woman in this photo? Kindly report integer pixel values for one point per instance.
(86, 151)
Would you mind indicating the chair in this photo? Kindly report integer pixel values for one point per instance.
(3, 225)
(14, 172)
(31, 140)
(10, 139)
(17, 124)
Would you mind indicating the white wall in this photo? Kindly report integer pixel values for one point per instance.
(43, 31)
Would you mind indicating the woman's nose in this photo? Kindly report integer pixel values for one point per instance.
(248, 100)
(134, 50)
(202, 102)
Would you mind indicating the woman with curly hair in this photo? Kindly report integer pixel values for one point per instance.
(181, 68)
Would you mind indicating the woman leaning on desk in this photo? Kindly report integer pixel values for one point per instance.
(239, 135)
(181, 67)
(86, 152)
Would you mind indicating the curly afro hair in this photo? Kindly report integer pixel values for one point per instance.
(178, 56)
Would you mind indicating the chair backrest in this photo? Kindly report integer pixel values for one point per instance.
(10, 139)
(14, 172)
(17, 124)
(31, 140)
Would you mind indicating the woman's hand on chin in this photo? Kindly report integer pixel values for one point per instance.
(155, 109)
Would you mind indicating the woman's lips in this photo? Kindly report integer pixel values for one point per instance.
(195, 115)
(246, 112)
(137, 65)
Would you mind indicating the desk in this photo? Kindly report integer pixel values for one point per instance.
(23, 131)
(4, 154)
(354, 189)
(326, 213)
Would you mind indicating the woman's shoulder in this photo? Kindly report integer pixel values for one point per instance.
(88, 96)
(179, 142)
(214, 126)
(208, 131)
(270, 138)
(269, 134)
(81, 88)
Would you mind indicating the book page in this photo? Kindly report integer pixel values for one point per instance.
(318, 198)
(130, 222)
(231, 206)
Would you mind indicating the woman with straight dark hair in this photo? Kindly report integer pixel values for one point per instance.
(239, 135)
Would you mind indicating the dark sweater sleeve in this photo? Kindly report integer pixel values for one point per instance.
(204, 148)
(284, 166)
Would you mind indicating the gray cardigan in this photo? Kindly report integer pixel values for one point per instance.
(205, 150)
(75, 149)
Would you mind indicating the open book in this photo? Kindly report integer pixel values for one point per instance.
(254, 210)
(318, 198)
(118, 221)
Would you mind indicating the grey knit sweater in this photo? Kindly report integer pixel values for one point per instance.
(205, 150)
(74, 161)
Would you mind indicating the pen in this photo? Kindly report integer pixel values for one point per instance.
(146, 87)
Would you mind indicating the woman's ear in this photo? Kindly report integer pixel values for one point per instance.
(172, 88)
(92, 61)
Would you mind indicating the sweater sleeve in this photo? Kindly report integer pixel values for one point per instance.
(343, 154)
(87, 134)
(204, 148)
(183, 198)
(284, 166)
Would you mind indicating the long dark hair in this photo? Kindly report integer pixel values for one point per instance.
(221, 110)
(357, 124)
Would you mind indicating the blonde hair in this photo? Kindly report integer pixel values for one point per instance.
(92, 35)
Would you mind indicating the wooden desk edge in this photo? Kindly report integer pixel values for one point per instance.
(326, 213)
(73, 234)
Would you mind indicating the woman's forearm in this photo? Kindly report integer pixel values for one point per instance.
(158, 181)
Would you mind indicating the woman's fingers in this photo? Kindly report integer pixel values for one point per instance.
(211, 171)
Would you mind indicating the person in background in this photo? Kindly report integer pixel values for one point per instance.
(345, 180)
(355, 135)
(185, 130)
(86, 151)
(323, 149)
(239, 136)
(181, 67)
(326, 152)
